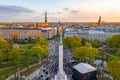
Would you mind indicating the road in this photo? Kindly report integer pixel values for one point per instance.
(50, 66)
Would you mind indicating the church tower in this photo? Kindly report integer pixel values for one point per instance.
(46, 21)
(44, 24)
(99, 21)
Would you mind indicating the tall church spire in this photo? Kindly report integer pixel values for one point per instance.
(45, 17)
(99, 21)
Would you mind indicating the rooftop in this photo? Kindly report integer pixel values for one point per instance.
(84, 68)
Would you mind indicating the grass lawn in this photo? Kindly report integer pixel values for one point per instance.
(31, 70)
(7, 72)
(104, 78)
(5, 65)
(26, 46)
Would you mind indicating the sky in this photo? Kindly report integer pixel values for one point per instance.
(59, 10)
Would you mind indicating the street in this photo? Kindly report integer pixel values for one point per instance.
(50, 65)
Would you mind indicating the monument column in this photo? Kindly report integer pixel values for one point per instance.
(61, 55)
(61, 74)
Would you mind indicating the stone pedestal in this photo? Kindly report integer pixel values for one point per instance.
(60, 77)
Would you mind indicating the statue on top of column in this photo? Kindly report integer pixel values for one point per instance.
(60, 38)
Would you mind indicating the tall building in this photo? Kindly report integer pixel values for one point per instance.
(99, 21)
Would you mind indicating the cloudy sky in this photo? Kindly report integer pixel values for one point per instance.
(60, 10)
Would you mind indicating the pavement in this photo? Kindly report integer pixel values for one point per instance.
(12, 76)
(7, 68)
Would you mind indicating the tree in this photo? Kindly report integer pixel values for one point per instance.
(88, 45)
(15, 37)
(14, 57)
(1, 57)
(80, 53)
(118, 53)
(76, 42)
(45, 48)
(3, 43)
(113, 58)
(83, 41)
(29, 39)
(68, 42)
(38, 52)
(114, 41)
(41, 41)
(96, 43)
(114, 69)
(72, 42)
(5, 47)
(85, 53)
(27, 56)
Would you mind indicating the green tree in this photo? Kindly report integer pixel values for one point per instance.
(5, 47)
(41, 41)
(28, 57)
(68, 42)
(29, 39)
(88, 45)
(83, 41)
(14, 57)
(114, 69)
(118, 53)
(113, 58)
(85, 53)
(72, 42)
(80, 53)
(76, 42)
(39, 52)
(1, 57)
(114, 41)
(96, 43)
(45, 48)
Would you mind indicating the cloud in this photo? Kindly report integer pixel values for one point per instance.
(14, 9)
(66, 9)
(59, 12)
(17, 13)
(74, 11)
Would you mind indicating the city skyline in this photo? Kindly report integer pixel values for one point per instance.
(59, 10)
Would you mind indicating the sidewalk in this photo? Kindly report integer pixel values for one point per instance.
(7, 68)
(12, 76)
(33, 75)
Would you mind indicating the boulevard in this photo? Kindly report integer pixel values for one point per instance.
(50, 64)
